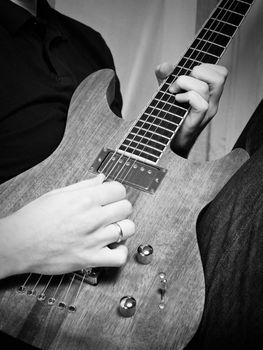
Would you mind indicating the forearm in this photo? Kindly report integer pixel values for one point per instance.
(182, 143)
(10, 262)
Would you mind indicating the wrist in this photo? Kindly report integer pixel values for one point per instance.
(183, 142)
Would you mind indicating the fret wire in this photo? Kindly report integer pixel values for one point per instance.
(189, 63)
(158, 101)
(220, 33)
(238, 4)
(164, 118)
(163, 136)
(233, 17)
(187, 69)
(139, 153)
(156, 138)
(212, 54)
(141, 144)
(198, 38)
(160, 109)
(210, 42)
(223, 27)
(225, 22)
(158, 118)
(228, 10)
(179, 109)
(207, 54)
(195, 53)
(149, 139)
(194, 60)
(167, 92)
(246, 2)
(157, 127)
(151, 144)
(166, 126)
(213, 49)
(208, 21)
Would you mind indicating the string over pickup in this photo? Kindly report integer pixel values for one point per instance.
(129, 171)
(89, 275)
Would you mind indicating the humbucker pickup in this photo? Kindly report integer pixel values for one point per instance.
(127, 170)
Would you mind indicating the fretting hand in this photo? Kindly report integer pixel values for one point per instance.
(202, 89)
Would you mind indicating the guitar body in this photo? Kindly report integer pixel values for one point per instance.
(165, 220)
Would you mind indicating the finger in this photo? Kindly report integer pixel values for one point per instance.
(214, 75)
(123, 230)
(97, 217)
(214, 67)
(115, 212)
(163, 71)
(109, 192)
(199, 107)
(99, 195)
(96, 180)
(187, 83)
(112, 257)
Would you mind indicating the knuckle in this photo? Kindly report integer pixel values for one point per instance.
(88, 223)
(89, 201)
(204, 88)
(204, 106)
(220, 80)
(224, 71)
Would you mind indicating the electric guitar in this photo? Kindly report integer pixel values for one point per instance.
(156, 300)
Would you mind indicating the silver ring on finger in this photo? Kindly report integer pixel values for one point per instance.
(120, 233)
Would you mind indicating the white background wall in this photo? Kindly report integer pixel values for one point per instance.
(144, 33)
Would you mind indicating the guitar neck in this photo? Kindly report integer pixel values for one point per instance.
(156, 126)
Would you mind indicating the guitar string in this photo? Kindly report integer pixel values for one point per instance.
(200, 53)
(32, 291)
(73, 305)
(62, 303)
(181, 68)
(42, 293)
(52, 299)
(129, 157)
(165, 113)
(26, 280)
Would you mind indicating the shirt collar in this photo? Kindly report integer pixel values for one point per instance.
(13, 17)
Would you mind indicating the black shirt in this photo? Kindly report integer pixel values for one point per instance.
(43, 60)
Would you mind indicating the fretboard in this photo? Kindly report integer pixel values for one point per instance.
(156, 126)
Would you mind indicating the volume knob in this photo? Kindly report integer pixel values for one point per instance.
(127, 306)
(144, 254)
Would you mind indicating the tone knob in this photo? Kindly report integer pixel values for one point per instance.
(144, 254)
(127, 306)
